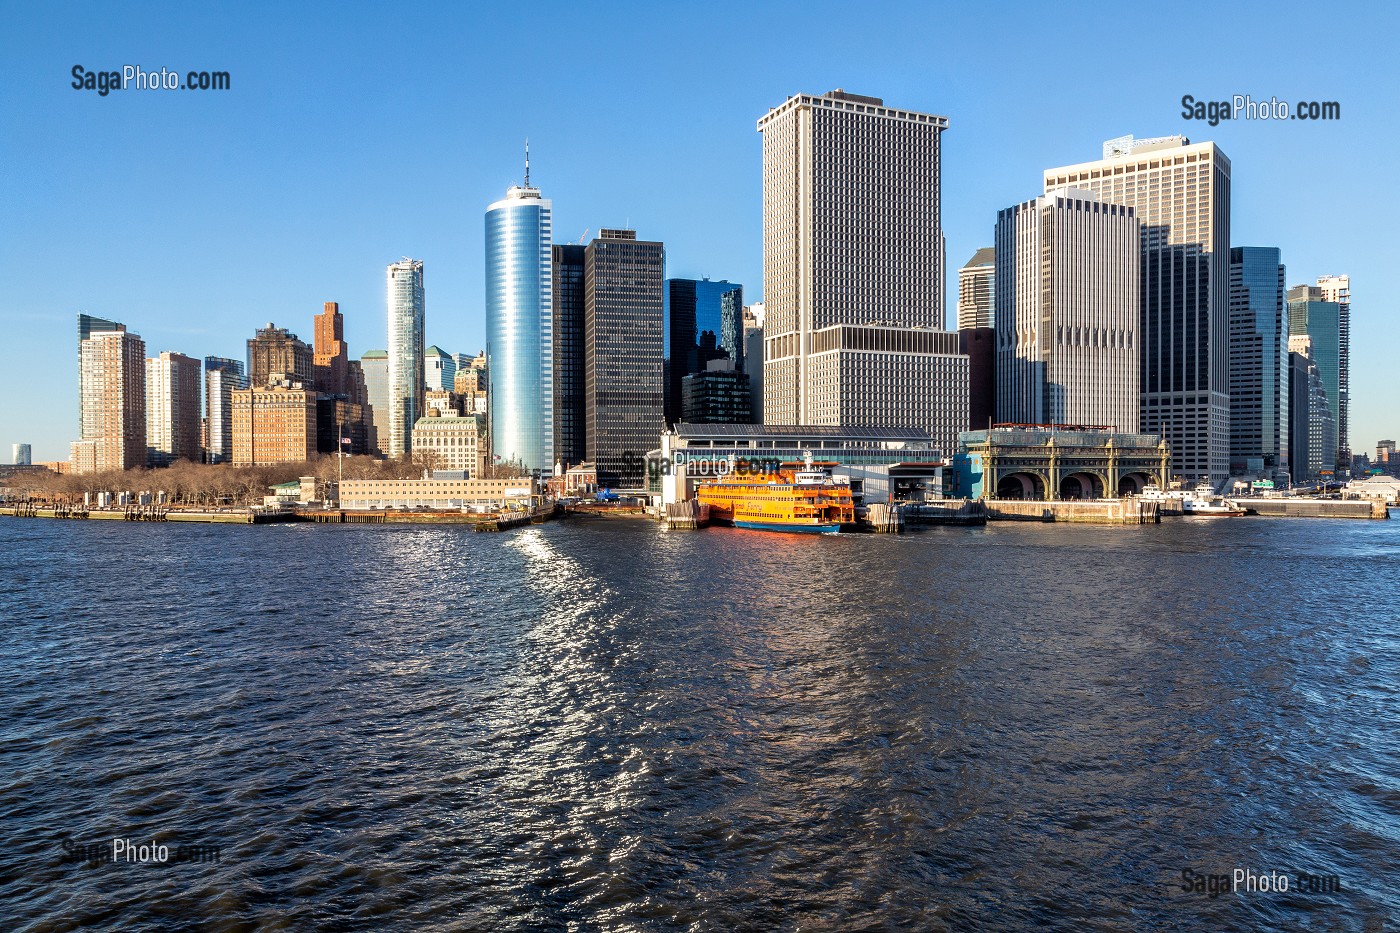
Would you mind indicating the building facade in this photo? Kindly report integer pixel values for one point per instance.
(274, 423)
(222, 376)
(1258, 361)
(21, 455)
(853, 268)
(977, 290)
(1312, 315)
(375, 366)
(111, 397)
(172, 409)
(1180, 193)
(520, 327)
(455, 438)
(440, 491)
(439, 370)
(719, 395)
(570, 401)
(623, 345)
(277, 352)
(405, 363)
(331, 355)
(1023, 462)
(1067, 312)
(1312, 424)
(1337, 288)
(695, 307)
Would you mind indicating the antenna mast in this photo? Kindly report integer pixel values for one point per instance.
(527, 161)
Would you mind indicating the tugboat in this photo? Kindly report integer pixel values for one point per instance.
(795, 497)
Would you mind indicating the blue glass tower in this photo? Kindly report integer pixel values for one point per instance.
(1258, 362)
(519, 328)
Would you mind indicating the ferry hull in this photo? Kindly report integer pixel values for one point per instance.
(826, 528)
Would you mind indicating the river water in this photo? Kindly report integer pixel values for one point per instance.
(598, 724)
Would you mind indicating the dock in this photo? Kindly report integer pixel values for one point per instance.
(1082, 511)
(1290, 507)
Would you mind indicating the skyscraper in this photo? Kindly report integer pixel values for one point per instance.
(1067, 312)
(695, 307)
(277, 352)
(111, 397)
(375, 364)
(1337, 288)
(1258, 361)
(332, 357)
(1181, 195)
(977, 290)
(520, 327)
(570, 403)
(853, 269)
(622, 354)
(21, 455)
(221, 378)
(1312, 427)
(1311, 315)
(405, 402)
(172, 409)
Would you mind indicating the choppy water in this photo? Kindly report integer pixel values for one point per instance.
(603, 725)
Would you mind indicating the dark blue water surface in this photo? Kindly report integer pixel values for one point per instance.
(604, 725)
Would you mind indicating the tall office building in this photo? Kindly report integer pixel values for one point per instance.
(695, 307)
(172, 409)
(623, 336)
(21, 455)
(375, 365)
(405, 402)
(977, 290)
(1258, 361)
(853, 269)
(1181, 194)
(222, 377)
(439, 370)
(1312, 425)
(331, 357)
(1311, 315)
(277, 352)
(1337, 288)
(570, 402)
(520, 327)
(1067, 312)
(111, 397)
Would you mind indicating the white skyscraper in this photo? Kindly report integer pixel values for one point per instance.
(405, 280)
(1181, 194)
(1337, 288)
(853, 269)
(1068, 312)
(977, 290)
(172, 409)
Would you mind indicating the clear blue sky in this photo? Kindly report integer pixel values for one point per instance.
(357, 134)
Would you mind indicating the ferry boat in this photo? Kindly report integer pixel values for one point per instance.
(796, 497)
(1203, 500)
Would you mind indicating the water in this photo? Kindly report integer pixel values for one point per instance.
(603, 725)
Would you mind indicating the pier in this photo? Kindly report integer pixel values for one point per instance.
(1127, 511)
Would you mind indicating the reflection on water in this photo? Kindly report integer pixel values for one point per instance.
(605, 725)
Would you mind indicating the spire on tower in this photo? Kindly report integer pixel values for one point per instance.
(527, 161)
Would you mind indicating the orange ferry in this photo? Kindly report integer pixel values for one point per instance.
(795, 497)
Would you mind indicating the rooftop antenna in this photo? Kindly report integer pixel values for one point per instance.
(527, 161)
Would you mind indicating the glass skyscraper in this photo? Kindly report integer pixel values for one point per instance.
(520, 328)
(1309, 315)
(405, 354)
(1258, 361)
(693, 307)
(570, 408)
(222, 376)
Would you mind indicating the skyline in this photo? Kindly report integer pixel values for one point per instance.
(265, 201)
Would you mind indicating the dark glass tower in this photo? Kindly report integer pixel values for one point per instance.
(570, 404)
(1258, 360)
(696, 307)
(623, 335)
